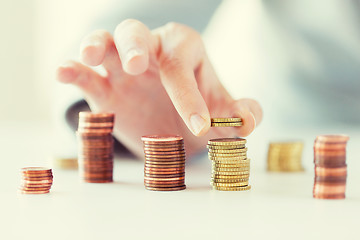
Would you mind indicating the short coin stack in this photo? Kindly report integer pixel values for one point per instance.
(36, 180)
(285, 156)
(230, 165)
(95, 153)
(164, 168)
(330, 166)
(66, 163)
(226, 122)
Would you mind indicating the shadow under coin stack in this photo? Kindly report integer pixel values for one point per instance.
(164, 168)
(230, 165)
(285, 156)
(36, 180)
(95, 142)
(330, 166)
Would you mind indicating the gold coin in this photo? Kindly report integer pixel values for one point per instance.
(244, 188)
(228, 151)
(233, 184)
(229, 180)
(225, 146)
(226, 155)
(221, 165)
(227, 141)
(226, 120)
(66, 163)
(216, 169)
(232, 177)
(227, 124)
(243, 161)
(246, 172)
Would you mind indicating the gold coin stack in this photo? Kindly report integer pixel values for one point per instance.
(230, 165)
(66, 163)
(226, 122)
(285, 156)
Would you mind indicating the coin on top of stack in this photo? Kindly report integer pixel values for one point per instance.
(285, 156)
(330, 166)
(164, 168)
(95, 154)
(36, 180)
(226, 122)
(230, 165)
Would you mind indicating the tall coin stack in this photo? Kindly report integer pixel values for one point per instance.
(36, 180)
(330, 166)
(95, 154)
(230, 165)
(164, 168)
(285, 156)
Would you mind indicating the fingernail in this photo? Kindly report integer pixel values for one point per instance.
(133, 53)
(197, 123)
(254, 118)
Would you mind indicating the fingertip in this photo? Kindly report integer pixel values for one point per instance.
(92, 55)
(199, 125)
(136, 62)
(66, 73)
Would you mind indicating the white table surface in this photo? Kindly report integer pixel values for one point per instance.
(279, 206)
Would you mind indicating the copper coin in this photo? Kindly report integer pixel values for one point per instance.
(35, 170)
(170, 153)
(164, 166)
(335, 180)
(34, 192)
(163, 185)
(164, 175)
(330, 146)
(164, 148)
(329, 196)
(180, 182)
(323, 188)
(164, 179)
(162, 163)
(332, 138)
(162, 138)
(166, 188)
(321, 171)
(149, 172)
(165, 159)
(330, 158)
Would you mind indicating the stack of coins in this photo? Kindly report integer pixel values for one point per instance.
(36, 180)
(226, 122)
(330, 166)
(95, 155)
(230, 165)
(164, 168)
(285, 156)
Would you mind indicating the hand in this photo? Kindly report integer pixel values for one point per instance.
(157, 82)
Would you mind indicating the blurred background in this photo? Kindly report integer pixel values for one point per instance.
(300, 60)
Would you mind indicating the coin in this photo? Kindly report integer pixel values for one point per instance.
(244, 188)
(227, 141)
(223, 147)
(231, 169)
(228, 151)
(166, 188)
(234, 184)
(222, 120)
(227, 124)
